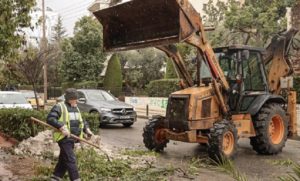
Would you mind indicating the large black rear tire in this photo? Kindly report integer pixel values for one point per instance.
(153, 135)
(222, 141)
(271, 127)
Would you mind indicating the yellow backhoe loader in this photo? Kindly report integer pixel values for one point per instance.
(248, 92)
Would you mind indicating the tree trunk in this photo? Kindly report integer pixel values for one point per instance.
(36, 98)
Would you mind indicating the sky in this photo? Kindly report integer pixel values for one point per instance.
(72, 10)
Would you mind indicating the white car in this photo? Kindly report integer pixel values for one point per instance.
(9, 99)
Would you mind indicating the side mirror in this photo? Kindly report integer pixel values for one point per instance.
(82, 100)
(245, 54)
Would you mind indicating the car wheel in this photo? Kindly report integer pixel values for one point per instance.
(127, 125)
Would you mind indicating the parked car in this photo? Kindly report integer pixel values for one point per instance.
(112, 111)
(29, 95)
(9, 99)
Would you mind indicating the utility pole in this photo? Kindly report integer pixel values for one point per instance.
(44, 48)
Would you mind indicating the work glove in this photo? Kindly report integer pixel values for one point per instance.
(64, 130)
(89, 132)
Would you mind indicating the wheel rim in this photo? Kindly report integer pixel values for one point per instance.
(159, 136)
(228, 143)
(276, 129)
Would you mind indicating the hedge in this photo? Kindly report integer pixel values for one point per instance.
(113, 76)
(170, 70)
(162, 87)
(80, 85)
(16, 123)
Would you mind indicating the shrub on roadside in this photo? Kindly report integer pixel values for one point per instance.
(162, 87)
(113, 76)
(93, 120)
(16, 123)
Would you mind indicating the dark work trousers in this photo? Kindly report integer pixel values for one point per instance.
(67, 160)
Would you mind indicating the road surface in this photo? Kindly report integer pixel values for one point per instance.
(256, 167)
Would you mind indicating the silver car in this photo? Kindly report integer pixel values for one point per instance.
(112, 111)
(9, 99)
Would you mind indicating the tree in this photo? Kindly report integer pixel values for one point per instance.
(56, 43)
(255, 22)
(170, 70)
(29, 66)
(82, 54)
(144, 66)
(14, 16)
(113, 76)
(59, 31)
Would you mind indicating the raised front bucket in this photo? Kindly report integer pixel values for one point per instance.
(143, 23)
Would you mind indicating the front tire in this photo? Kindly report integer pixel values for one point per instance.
(271, 126)
(127, 125)
(153, 135)
(222, 141)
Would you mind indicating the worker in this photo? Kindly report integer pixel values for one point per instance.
(66, 117)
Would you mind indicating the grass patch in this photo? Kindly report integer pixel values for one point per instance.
(294, 175)
(286, 162)
(93, 166)
(227, 166)
(196, 163)
(138, 153)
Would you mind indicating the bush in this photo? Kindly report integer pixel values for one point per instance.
(93, 120)
(297, 87)
(170, 70)
(162, 87)
(86, 85)
(16, 123)
(113, 76)
(54, 91)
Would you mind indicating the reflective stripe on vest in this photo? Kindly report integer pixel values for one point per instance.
(65, 118)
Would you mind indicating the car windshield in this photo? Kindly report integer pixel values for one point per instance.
(10, 98)
(28, 94)
(100, 96)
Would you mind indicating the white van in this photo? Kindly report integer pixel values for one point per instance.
(9, 99)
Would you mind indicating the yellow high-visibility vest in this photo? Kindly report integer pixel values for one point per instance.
(65, 118)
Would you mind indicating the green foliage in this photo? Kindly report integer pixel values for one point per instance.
(295, 176)
(143, 66)
(81, 85)
(93, 166)
(82, 54)
(59, 31)
(93, 120)
(16, 123)
(138, 153)
(297, 87)
(255, 22)
(170, 70)
(162, 87)
(214, 13)
(14, 15)
(227, 166)
(113, 76)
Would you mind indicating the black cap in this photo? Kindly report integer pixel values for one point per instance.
(71, 94)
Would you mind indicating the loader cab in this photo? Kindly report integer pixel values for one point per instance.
(246, 75)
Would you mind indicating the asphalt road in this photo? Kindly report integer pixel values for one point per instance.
(255, 167)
